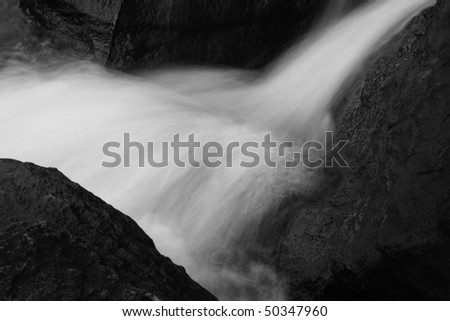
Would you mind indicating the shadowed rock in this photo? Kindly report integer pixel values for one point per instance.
(60, 242)
(385, 233)
(239, 33)
(88, 25)
(141, 34)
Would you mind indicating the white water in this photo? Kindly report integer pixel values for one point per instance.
(204, 219)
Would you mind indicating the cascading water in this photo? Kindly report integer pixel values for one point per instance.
(203, 218)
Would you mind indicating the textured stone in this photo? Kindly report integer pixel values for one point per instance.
(385, 232)
(86, 24)
(239, 33)
(60, 242)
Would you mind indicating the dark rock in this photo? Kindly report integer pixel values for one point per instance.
(384, 235)
(141, 34)
(25, 41)
(84, 24)
(239, 33)
(60, 242)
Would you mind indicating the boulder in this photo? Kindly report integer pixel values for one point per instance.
(60, 242)
(86, 25)
(238, 33)
(385, 233)
(142, 34)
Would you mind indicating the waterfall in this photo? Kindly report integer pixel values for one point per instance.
(206, 219)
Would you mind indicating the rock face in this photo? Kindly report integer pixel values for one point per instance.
(24, 41)
(60, 242)
(86, 24)
(239, 33)
(385, 234)
(142, 34)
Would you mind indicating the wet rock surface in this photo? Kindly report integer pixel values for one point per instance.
(60, 242)
(244, 33)
(85, 25)
(142, 34)
(385, 234)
